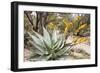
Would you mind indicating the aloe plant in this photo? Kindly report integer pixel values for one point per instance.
(49, 46)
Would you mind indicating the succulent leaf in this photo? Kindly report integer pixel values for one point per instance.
(49, 46)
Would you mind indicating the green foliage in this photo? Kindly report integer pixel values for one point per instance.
(49, 46)
(75, 26)
(49, 43)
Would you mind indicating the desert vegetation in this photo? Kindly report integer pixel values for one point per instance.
(56, 36)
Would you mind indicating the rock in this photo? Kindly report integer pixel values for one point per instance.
(27, 53)
(82, 46)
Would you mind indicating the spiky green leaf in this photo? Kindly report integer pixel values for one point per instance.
(46, 36)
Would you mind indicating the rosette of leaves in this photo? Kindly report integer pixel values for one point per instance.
(49, 46)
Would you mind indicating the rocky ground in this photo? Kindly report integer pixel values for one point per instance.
(79, 51)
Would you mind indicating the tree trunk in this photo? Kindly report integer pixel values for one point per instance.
(41, 21)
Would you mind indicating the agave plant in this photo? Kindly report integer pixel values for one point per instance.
(49, 46)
